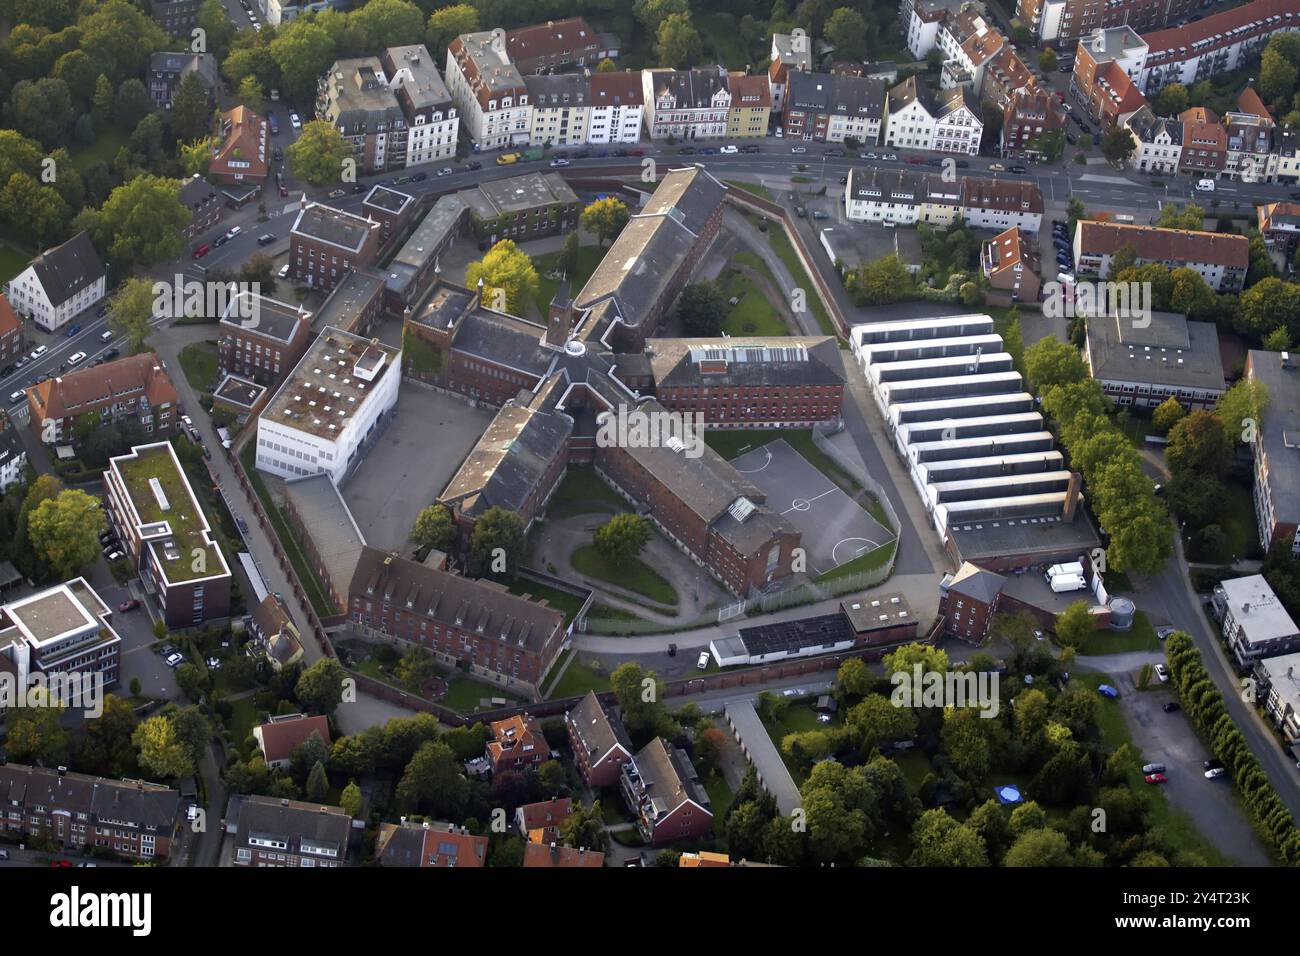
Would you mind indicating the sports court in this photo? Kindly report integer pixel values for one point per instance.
(835, 528)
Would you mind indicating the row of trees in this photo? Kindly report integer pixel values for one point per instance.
(1122, 495)
(1206, 709)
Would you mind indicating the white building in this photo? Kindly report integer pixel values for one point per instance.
(561, 109)
(909, 116)
(790, 53)
(958, 125)
(432, 123)
(59, 284)
(13, 454)
(686, 104)
(999, 204)
(922, 20)
(488, 90)
(617, 108)
(275, 12)
(328, 409)
(62, 630)
(1255, 624)
(1219, 43)
(1159, 141)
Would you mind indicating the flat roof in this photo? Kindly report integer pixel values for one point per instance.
(389, 200)
(331, 383)
(1257, 609)
(234, 390)
(1170, 351)
(334, 226)
(762, 753)
(1279, 434)
(873, 612)
(1010, 537)
(519, 193)
(335, 536)
(265, 316)
(46, 617)
(172, 523)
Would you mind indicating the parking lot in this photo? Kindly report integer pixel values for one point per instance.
(835, 529)
(429, 437)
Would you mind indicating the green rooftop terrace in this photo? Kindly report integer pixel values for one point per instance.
(183, 514)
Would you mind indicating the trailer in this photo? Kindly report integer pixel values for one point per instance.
(1064, 583)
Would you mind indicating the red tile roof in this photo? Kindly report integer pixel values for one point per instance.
(547, 813)
(280, 737)
(90, 389)
(1173, 245)
(545, 855)
(1165, 44)
(245, 138)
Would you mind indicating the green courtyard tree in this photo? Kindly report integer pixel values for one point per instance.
(141, 222)
(606, 218)
(1167, 414)
(162, 753)
(701, 309)
(130, 311)
(1240, 408)
(677, 42)
(509, 277)
(317, 155)
(1074, 624)
(622, 538)
(65, 531)
(496, 546)
(447, 23)
(320, 687)
(1199, 445)
(434, 528)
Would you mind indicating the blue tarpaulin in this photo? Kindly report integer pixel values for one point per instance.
(1008, 794)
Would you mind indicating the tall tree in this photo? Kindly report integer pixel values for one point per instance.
(496, 546)
(65, 531)
(318, 153)
(606, 218)
(508, 275)
(622, 538)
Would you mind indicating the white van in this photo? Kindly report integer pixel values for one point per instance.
(106, 335)
(1205, 185)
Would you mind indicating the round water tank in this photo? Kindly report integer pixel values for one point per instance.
(1121, 614)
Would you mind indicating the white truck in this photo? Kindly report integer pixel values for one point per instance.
(1063, 583)
(1063, 570)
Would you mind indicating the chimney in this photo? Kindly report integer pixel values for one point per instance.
(1071, 497)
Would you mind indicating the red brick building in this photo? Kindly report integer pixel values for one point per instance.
(1026, 116)
(198, 196)
(517, 744)
(11, 333)
(1205, 143)
(262, 339)
(549, 47)
(599, 743)
(243, 153)
(325, 243)
(551, 855)
(504, 638)
(136, 386)
(1010, 262)
(664, 793)
(968, 602)
(74, 811)
(392, 209)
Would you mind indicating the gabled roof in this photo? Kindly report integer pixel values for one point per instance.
(596, 730)
(1164, 245)
(87, 389)
(550, 855)
(68, 268)
(294, 822)
(668, 778)
(142, 804)
(278, 738)
(429, 845)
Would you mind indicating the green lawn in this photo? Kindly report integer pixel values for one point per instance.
(1236, 516)
(588, 258)
(798, 718)
(578, 680)
(199, 363)
(752, 314)
(762, 192)
(464, 695)
(582, 492)
(1141, 638)
(243, 718)
(316, 592)
(876, 558)
(12, 262)
(783, 248)
(104, 149)
(915, 765)
(636, 575)
(568, 604)
(1176, 824)
(715, 785)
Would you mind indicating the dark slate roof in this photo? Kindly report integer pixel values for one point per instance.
(949, 101)
(975, 582)
(668, 775)
(11, 445)
(690, 89)
(145, 805)
(67, 269)
(1168, 350)
(558, 90)
(502, 338)
(596, 728)
(824, 630)
(335, 226)
(509, 460)
(484, 608)
(197, 192)
(802, 360)
(293, 821)
(809, 92)
(1280, 429)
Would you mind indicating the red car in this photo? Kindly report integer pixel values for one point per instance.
(129, 605)
(201, 251)
(914, 160)
(59, 864)
(1156, 778)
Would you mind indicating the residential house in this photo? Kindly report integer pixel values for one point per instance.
(551, 855)
(167, 70)
(599, 743)
(1221, 259)
(429, 114)
(1158, 142)
(829, 108)
(517, 744)
(279, 737)
(1027, 116)
(1060, 21)
(910, 114)
(540, 822)
(751, 106)
(59, 284)
(489, 90)
(261, 339)
(686, 104)
(1120, 45)
(550, 47)
(1010, 263)
(1252, 140)
(1278, 222)
(663, 791)
(275, 634)
(198, 196)
(429, 845)
(177, 17)
(136, 386)
(13, 453)
(243, 151)
(65, 630)
(561, 108)
(999, 204)
(326, 243)
(1219, 43)
(617, 109)
(267, 831)
(1205, 143)
(11, 334)
(791, 53)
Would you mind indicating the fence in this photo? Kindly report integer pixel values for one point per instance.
(858, 471)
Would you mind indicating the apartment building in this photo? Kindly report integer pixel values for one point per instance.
(1010, 262)
(1220, 259)
(272, 832)
(326, 243)
(968, 602)
(1005, 77)
(828, 108)
(204, 204)
(390, 208)
(1000, 204)
(506, 639)
(1279, 684)
(901, 197)
(561, 113)
(969, 43)
(517, 744)
(617, 110)
(599, 742)
(431, 118)
(1119, 45)
(177, 17)
(910, 114)
(243, 150)
(1113, 94)
(1278, 222)
(1252, 140)
(1145, 364)
(166, 70)
(1255, 624)
(922, 20)
(1158, 141)
(63, 630)
(13, 454)
(330, 408)
(751, 106)
(791, 53)
(558, 45)
(1205, 143)
(156, 515)
(1027, 116)
(1276, 487)
(489, 90)
(1061, 21)
(261, 339)
(1219, 43)
(686, 104)
(429, 844)
(135, 819)
(663, 791)
(136, 387)
(59, 284)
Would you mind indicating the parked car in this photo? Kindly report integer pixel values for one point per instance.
(1215, 772)
(686, 151)
(294, 121)
(799, 149)
(106, 335)
(76, 358)
(559, 163)
(16, 397)
(336, 193)
(129, 605)
(284, 271)
(266, 238)
(39, 351)
(175, 660)
(890, 157)
(867, 156)
(419, 177)
(818, 214)
(1154, 768)
(72, 330)
(1018, 169)
(1163, 633)
(1162, 673)
(1170, 707)
(1107, 691)
(4, 854)
(115, 556)
(234, 231)
(703, 662)
(728, 150)
(706, 151)
(359, 188)
(474, 165)
(111, 354)
(1156, 778)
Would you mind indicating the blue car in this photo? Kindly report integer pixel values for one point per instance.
(72, 331)
(1107, 691)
